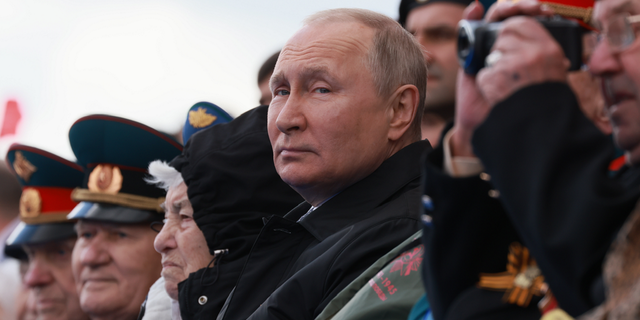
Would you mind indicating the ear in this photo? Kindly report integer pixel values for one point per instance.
(402, 112)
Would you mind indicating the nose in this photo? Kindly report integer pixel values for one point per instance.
(290, 116)
(38, 275)
(94, 253)
(165, 240)
(428, 57)
(603, 62)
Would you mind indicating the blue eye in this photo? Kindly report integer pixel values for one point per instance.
(322, 90)
(122, 235)
(282, 92)
(86, 235)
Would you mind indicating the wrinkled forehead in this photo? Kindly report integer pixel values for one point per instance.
(50, 245)
(86, 223)
(177, 192)
(604, 9)
(345, 38)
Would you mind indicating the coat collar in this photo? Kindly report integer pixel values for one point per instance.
(356, 202)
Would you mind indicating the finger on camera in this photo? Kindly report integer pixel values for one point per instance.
(518, 32)
(503, 10)
(497, 82)
(474, 11)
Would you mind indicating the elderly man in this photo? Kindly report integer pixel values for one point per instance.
(114, 263)
(434, 24)
(9, 218)
(554, 181)
(344, 125)
(45, 235)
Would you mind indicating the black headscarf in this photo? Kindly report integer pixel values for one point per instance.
(232, 182)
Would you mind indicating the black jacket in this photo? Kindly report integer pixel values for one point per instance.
(232, 184)
(469, 234)
(549, 163)
(294, 269)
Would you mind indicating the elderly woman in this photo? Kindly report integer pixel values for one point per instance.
(180, 242)
(220, 190)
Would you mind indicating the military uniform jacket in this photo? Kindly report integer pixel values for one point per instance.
(295, 268)
(549, 163)
(469, 234)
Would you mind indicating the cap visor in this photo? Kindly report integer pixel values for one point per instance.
(112, 213)
(40, 233)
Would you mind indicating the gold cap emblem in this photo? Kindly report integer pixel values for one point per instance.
(422, 1)
(105, 179)
(23, 167)
(200, 118)
(30, 203)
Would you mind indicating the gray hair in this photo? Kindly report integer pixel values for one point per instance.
(395, 58)
(163, 175)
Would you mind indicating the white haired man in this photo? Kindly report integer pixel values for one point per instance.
(344, 125)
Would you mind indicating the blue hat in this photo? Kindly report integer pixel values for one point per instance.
(116, 153)
(47, 181)
(201, 116)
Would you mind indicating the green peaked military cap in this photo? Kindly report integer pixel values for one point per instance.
(116, 153)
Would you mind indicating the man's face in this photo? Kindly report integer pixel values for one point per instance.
(620, 73)
(114, 266)
(435, 27)
(327, 125)
(180, 242)
(50, 280)
(265, 92)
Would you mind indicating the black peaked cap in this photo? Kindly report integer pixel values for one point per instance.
(407, 5)
(232, 182)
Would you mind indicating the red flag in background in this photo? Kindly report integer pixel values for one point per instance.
(11, 118)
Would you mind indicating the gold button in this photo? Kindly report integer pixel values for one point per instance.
(494, 193)
(202, 300)
(485, 176)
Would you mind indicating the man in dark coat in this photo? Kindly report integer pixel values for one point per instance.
(554, 182)
(344, 125)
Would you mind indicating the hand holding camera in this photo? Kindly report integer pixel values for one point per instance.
(528, 54)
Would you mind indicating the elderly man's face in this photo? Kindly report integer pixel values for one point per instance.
(50, 279)
(620, 72)
(114, 266)
(180, 242)
(327, 125)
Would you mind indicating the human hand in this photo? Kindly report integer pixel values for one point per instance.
(475, 96)
(471, 107)
(528, 55)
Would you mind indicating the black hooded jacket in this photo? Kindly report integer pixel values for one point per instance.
(232, 185)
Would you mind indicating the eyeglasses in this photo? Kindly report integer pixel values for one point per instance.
(157, 225)
(619, 31)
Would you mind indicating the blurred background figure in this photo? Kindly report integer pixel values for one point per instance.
(264, 74)
(9, 267)
(45, 236)
(434, 24)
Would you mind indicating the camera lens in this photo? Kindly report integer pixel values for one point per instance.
(466, 40)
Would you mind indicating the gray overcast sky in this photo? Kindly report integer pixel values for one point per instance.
(148, 61)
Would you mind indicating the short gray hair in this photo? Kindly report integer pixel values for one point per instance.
(163, 175)
(395, 58)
